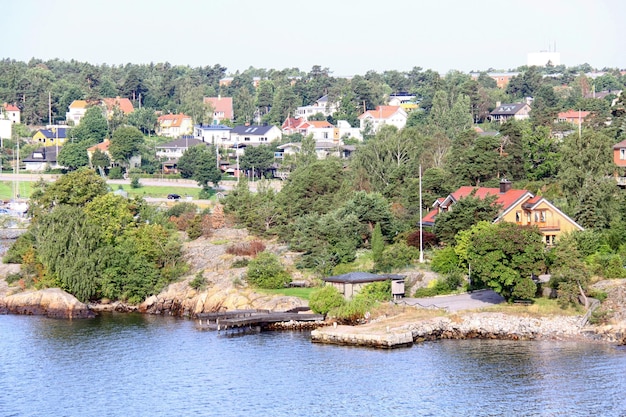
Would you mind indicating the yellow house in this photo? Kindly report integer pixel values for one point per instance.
(518, 206)
(52, 136)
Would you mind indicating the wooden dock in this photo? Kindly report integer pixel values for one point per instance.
(224, 320)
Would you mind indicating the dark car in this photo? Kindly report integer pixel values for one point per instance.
(173, 197)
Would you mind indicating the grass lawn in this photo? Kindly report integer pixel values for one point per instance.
(6, 189)
(303, 293)
(157, 191)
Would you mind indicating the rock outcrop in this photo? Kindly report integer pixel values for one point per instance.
(51, 302)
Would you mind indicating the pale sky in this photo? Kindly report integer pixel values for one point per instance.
(347, 36)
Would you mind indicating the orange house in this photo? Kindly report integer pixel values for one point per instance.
(518, 206)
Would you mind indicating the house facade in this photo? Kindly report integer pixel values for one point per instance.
(76, 111)
(218, 135)
(42, 159)
(12, 113)
(174, 125)
(517, 206)
(222, 108)
(254, 135)
(112, 103)
(322, 105)
(383, 115)
(352, 283)
(51, 136)
(504, 112)
(135, 160)
(575, 117)
(176, 148)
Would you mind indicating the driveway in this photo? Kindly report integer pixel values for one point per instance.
(467, 301)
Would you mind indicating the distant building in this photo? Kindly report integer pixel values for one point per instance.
(383, 115)
(575, 117)
(502, 79)
(77, 110)
(218, 135)
(504, 112)
(174, 125)
(254, 135)
(51, 136)
(222, 108)
(11, 112)
(322, 105)
(122, 103)
(42, 159)
(176, 148)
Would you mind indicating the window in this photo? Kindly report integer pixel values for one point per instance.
(246, 139)
(325, 135)
(622, 154)
(518, 216)
(542, 216)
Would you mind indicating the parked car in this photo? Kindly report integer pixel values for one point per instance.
(173, 197)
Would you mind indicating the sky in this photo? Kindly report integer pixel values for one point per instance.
(348, 37)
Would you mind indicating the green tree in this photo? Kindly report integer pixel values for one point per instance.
(324, 299)
(73, 155)
(258, 159)
(125, 143)
(378, 244)
(466, 212)
(93, 127)
(200, 163)
(569, 274)
(144, 119)
(504, 256)
(100, 159)
(266, 271)
(76, 188)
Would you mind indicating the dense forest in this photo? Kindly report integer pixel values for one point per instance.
(330, 209)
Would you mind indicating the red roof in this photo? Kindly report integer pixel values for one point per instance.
(221, 105)
(175, 119)
(291, 123)
(573, 114)
(11, 107)
(102, 146)
(507, 199)
(319, 123)
(123, 103)
(381, 112)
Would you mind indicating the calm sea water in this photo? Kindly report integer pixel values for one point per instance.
(133, 365)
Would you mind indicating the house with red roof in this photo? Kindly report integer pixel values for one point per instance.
(383, 115)
(222, 108)
(517, 206)
(11, 112)
(575, 117)
(174, 125)
(122, 103)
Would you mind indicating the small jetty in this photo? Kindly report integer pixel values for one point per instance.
(262, 319)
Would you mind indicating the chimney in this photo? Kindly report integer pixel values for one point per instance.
(498, 103)
(505, 185)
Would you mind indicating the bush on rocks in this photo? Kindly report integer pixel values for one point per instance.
(266, 271)
(324, 299)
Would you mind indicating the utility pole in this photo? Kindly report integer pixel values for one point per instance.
(421, 227)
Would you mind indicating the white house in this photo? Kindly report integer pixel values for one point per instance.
(176, 148)
(77, 110)
(504, 112)
(218, 135)
(254, 134)
(383, 115)
(12, 113)
(41, 159)
(322, 105)
(174, 125)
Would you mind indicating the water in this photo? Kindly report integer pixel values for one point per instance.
(133, 365)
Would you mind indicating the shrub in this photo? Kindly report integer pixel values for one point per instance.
(246, 248)
(444, 260)
(115, 173)
(524, 289)
(15, 254)
(598, 294)
(266, 271)
(179, 208)
(377, 291)
(14, 277)
(194, 228)
(429, 239)
(240, 263)
(198, 281)
(134, 182)
(353, 311)
(397, 256)
(206, 194)
(324, 299)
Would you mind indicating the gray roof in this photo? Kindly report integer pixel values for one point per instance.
(251, 130)
(45, 154)
(183, 143)
(508, 109)
(361, 277)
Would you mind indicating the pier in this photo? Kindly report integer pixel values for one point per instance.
(263, 319)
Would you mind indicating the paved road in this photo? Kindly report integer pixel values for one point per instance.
(467, 301)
